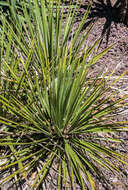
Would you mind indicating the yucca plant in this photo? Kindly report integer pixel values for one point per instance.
(50, 29)
(39, 25)
(56, 111)
(57, 128)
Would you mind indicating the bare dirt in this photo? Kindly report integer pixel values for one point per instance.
(112, 31)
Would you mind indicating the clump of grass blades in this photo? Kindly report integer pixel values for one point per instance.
(56, 127)
(49, 27)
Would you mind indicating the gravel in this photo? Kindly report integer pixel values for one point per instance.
(117, 57)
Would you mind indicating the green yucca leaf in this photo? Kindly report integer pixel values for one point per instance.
(3, 3)
(53, 112)
(43, 171)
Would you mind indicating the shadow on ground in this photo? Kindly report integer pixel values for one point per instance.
(105, 9)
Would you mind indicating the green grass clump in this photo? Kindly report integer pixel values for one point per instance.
(53, 112)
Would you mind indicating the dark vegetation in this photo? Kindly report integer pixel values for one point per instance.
(54, 118)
